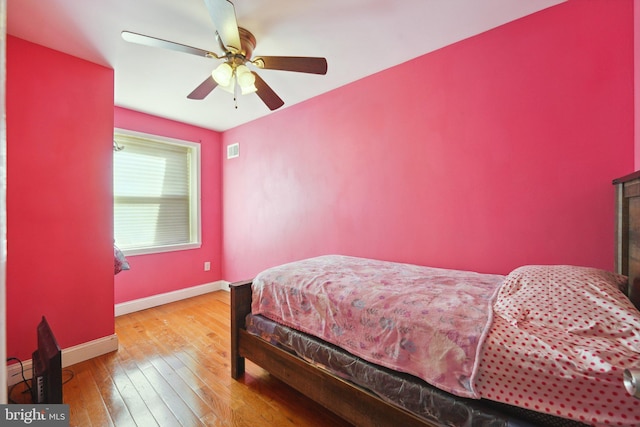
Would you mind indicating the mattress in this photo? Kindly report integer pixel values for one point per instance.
(403, 390)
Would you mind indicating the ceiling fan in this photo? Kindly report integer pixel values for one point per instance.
(237, 43)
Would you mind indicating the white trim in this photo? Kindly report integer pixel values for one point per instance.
(89, 350)
(161, 249)
(160, 299)
(70, 356)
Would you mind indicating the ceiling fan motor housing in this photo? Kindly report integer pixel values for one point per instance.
(247, 43)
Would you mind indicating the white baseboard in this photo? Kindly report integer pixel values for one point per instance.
(160, 299)
(70, 356)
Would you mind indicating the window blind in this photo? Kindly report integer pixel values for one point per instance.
(152, 194)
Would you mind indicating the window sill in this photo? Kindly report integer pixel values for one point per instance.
(161, 249)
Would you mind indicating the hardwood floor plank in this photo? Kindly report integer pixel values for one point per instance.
(114, 402)
(172, 368)
(173, 400)
(88, 409)
(213, 420)
(156, 406)
(198, 406)
(77, 412)
(132, 399)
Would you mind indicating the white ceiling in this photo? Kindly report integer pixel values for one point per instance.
(358, 38)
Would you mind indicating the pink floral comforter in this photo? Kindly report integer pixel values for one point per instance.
(428, 322)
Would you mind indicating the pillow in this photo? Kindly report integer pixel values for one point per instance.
(572, 299)
(120, 262)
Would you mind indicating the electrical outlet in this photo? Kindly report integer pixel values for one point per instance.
(207, 266)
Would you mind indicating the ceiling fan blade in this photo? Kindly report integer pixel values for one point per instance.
(223, 15)
(155, 42)
(300, 64)
(266, 94)
(203, 89)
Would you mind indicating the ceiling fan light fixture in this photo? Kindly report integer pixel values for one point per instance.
(223, 74)
(248, 89)
(245, 77)
(230, 87)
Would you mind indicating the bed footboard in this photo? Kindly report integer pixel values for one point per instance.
(240, 308)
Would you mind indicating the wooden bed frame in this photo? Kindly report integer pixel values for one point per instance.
(628, 232)
(363, 408)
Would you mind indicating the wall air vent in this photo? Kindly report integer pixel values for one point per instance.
(233, 150)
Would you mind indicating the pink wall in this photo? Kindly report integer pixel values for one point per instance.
(500, 153)
(59, 203)
(165, 272)
(488, 154)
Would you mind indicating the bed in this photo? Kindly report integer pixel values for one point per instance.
(512, 364)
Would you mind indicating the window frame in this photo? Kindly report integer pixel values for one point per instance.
(195, 218)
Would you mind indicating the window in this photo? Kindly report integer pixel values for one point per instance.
(156, 193)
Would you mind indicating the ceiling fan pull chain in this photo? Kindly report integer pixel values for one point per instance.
(235, 88)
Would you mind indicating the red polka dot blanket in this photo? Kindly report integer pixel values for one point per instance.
(559, 343)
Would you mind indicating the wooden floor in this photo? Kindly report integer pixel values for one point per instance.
(172, 369)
